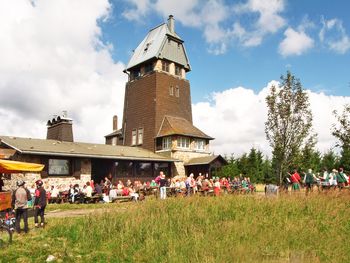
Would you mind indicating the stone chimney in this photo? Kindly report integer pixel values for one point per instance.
(115, 122)
(171, 24)
(60, 128)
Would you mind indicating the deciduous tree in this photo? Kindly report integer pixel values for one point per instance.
(289, 122)
(341, 131)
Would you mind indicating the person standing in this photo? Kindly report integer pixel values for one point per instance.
(20, 198)
(162, 185)
(341, 178)
(39, 204)
(1, 183)
(309, 180)
(295, 178)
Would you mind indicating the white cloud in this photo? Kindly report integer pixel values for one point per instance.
(140, 9)
(269, 20)
(219, 21)
(236, 119)
(334, 35)
(295, 43)
(52, 59)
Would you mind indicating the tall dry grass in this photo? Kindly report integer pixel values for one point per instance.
(291, 228)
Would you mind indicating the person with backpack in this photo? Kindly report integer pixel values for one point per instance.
(39, 204)
(309, 180)
(20, 198)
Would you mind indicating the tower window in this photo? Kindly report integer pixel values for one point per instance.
(171, 91)
(177, 91)
(177, 70)
(140, 136)
(148, 67)
(183, 142)
(166, 143)
(165, 66)
(133, 137)
(136, 73)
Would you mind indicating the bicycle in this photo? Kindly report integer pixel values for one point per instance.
(5, 233)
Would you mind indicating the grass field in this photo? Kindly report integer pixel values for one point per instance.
(198, 229)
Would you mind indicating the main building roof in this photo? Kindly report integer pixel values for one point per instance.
(79, 149)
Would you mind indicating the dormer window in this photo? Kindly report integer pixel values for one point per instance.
(166, 143)
(199, 144)
(183, 142)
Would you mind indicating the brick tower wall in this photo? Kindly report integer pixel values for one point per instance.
(148, 100)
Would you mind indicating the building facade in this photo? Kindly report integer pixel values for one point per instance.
(157, 107)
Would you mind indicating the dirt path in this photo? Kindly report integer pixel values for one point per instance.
(78, 212)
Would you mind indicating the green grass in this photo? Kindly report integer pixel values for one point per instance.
(68, 206)
(224, 229)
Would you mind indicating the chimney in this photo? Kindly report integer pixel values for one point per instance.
(171, 24)
(115, 122)
(60, 128)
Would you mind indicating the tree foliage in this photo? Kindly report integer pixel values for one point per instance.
(341, 131)
(289, 123)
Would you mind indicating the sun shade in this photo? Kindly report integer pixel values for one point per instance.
(7, 166)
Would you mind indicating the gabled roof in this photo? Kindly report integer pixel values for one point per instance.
(157, 44)
(114, 133)
(180, 126)
(205, 160)
(79, 149)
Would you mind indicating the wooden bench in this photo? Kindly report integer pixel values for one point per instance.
(120, 199)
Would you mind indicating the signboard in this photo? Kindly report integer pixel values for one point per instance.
(5, 200)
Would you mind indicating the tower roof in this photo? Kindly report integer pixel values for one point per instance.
(161, 42)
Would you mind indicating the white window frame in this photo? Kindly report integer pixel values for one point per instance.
(166, 143)
(133, 137)
(171, 91)
(199, 144)
(183, 142)
(140, 136)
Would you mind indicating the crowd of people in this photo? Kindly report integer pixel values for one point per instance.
(108, 191)
(322, 180)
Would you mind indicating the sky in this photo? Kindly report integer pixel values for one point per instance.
(70, 54)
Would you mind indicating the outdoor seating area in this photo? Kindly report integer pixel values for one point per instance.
(108, 191)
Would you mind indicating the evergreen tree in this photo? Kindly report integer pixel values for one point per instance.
(329, 160)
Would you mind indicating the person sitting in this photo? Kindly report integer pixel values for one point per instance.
(88, 192)
(132, 193)
(153, 183)
(113, 194)
(54, 195)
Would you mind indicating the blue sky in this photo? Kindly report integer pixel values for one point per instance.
(318, 67)
(69, 55)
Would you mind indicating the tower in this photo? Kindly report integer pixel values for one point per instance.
(157, 105)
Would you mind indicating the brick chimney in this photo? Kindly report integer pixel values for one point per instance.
(60, 128)
(171, 24)
(115, 122)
